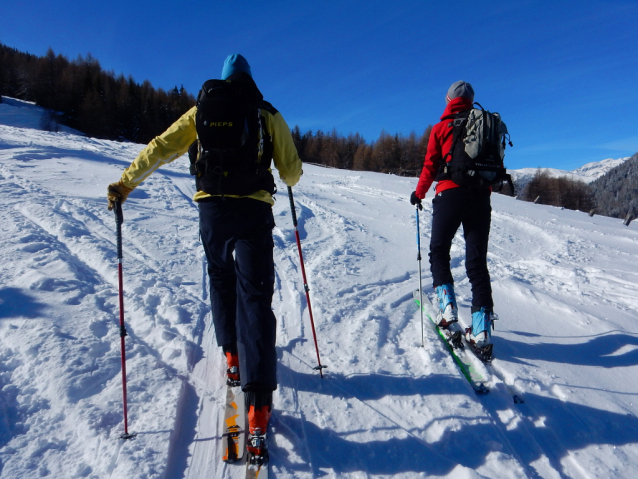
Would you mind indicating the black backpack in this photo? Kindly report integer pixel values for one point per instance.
(478, 150)
(233, 153)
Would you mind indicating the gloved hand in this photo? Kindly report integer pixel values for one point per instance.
(117, 193)
(415, 200)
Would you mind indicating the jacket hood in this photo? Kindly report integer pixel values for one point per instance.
(456, 105)
(241, 77)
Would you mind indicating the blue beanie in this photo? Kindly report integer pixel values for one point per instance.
(235, 63)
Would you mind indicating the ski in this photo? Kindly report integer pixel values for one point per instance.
(257, 466)
(454, 342)
(493, 366)
(234, 435)
(455, 337)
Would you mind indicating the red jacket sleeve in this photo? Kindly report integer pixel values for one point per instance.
(433, 158)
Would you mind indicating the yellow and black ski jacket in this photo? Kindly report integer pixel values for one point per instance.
(175, 141)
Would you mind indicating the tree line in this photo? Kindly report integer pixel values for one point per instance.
(397, 154)
(561, 191)
(89, 99)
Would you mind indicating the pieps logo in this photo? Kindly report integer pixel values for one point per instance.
(219, 124)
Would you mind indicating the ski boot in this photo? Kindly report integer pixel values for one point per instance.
(448, 316)
(480, 334)
(259, 406)
(447, 305)
(232, 361)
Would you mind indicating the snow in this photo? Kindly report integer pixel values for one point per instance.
(25, 114)
(565, 287)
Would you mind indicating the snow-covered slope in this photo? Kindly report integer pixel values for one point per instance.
(597, 169)
(24, 114)
(565, 286)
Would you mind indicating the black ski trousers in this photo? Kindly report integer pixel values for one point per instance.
(471, 208)
(237, 238)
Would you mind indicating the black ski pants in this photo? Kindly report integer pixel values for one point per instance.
(471, 208)
(237, 238)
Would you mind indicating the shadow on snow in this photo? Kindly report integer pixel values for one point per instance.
(14, 304)
(550, 427)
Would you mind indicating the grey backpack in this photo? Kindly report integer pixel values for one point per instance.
(478, 150)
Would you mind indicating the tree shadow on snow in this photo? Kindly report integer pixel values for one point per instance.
(317, 448)
(553, 428)
(16, 304)
(548, 427)
(601, 351)
(324, 451)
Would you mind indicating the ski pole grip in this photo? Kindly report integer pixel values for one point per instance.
(119, 219)
(292, 207)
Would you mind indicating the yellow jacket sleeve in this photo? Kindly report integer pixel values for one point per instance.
(284, 153)
(163, 149)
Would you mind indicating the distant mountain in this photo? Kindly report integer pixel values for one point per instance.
(597, 169)
(616, 192)
(586, 173)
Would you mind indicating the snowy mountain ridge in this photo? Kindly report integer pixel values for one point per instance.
(565, 288)
(587, 173)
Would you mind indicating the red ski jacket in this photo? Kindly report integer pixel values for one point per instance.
(439, 145)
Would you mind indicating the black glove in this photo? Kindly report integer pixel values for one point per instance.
(414, 200)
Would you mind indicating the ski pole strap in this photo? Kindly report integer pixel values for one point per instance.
(292, 207)
(119, 219)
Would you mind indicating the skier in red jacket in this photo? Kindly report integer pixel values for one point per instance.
(453, 206)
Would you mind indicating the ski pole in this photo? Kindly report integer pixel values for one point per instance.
(119, 219)
(418, 257)
(305, 282)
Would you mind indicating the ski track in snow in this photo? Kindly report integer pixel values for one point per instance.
(565, 287)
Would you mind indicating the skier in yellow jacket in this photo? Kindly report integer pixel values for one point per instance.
(235, 213)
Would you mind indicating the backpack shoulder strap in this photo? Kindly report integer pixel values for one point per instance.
(458, 119)
(264, 105)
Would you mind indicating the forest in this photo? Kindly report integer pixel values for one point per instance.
(562, 191)
(396, 154)
(80, 94)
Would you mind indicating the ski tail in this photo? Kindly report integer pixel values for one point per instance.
(234, 435)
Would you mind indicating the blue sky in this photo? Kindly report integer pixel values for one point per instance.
(563, 74)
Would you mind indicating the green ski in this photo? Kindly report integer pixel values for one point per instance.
(474, 377)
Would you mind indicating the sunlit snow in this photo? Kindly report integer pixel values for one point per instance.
(565, 287)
